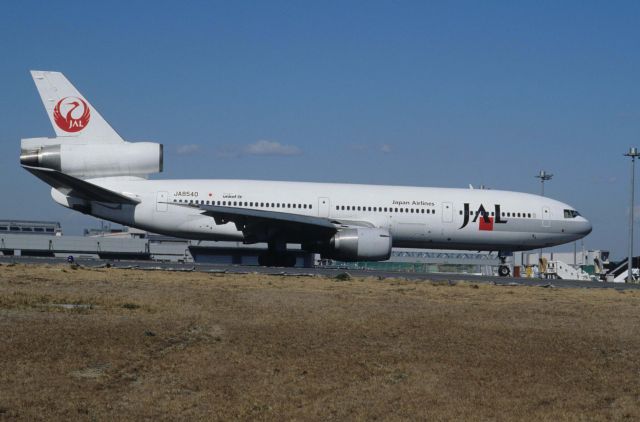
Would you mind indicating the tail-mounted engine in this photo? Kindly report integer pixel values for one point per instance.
(97, 160)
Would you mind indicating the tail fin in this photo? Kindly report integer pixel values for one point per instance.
(70, 113)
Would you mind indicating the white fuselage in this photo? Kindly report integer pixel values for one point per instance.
(417, 217)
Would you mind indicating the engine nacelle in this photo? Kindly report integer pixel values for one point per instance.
(98, 160)
(360, 244)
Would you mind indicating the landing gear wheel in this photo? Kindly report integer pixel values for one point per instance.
(278, 260)
(503, 271)
(289, 260)
(263, 260)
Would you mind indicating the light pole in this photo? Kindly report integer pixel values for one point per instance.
(543, 176)
(633, 153)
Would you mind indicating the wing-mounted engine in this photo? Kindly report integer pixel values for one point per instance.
(360, 244)
(84, 160)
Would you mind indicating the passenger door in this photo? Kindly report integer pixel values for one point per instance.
(447, 212)
(161, 201)
(546, 217)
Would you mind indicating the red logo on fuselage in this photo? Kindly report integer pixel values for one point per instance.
(71, 114)
(485, 224)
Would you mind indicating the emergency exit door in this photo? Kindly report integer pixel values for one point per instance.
(323, 207)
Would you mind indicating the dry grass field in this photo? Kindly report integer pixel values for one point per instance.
(189, 346)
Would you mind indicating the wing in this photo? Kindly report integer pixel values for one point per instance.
(262, 225)
(79, 188)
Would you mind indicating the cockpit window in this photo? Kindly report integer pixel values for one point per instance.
(571, 213)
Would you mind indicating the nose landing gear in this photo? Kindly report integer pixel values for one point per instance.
(503, 269)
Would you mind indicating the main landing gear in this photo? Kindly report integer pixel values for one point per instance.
(277, 260)
(503, 269)
(277, 256)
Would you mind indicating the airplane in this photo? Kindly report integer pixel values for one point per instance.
(93, 170)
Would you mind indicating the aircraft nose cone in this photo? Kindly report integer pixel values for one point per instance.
(585, 228)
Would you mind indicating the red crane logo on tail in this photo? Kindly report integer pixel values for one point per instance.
(76, 117)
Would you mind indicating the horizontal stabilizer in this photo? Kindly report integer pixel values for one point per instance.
(78, 188)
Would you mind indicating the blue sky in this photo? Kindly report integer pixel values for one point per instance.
(418, 93)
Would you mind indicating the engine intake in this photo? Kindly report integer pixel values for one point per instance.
(360, 244)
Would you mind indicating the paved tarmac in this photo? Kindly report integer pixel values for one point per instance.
(327, 272)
